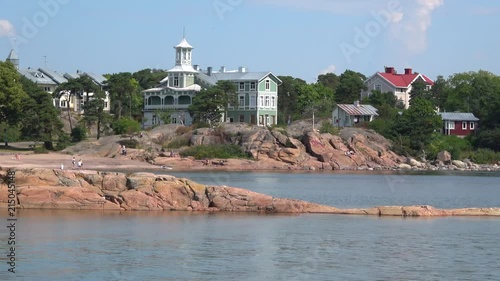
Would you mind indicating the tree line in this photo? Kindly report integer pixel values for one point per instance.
(27, 112)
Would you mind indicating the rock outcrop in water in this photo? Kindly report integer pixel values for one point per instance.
(62, 189)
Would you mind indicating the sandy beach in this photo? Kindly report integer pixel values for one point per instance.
(54, 160)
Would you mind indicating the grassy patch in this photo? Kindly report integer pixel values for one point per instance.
(223, 151)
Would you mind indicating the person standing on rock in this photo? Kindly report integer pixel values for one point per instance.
(80, 163)
(73, 162)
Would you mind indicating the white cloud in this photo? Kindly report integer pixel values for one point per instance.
(6, 28)
(414, 25)
(329, 69)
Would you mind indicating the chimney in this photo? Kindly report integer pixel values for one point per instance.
(408, 71)
(222, 69)
(242, 69)
(356, 103)
(209, 71)
(389, 69)
(196, 67)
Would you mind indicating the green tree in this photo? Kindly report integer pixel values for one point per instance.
(12, 95)
(122, 88)
(126, 125)
(439, 93)
(378, 99)
(419, 90)
(418, 123)
(288, 94)
(229, 95)
(40, 120)
(94, 112)
(148, 78)
(330, 80)
(350, 86)
(208, 106)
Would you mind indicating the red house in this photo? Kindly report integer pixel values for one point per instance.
(458, 123)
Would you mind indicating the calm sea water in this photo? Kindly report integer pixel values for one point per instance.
(134, 246)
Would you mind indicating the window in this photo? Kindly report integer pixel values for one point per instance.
(268, 85)
(252, 85)
(472, 125)
(253, 102)
(261, 99)
(242, 101)
(451, 125)
(402, 90)
(105, 104)
(273, 101)
(242, 86)
(63, 104)
(155, 120)
(267, 101)
(464, 125)
(176, 81)
(242, 118)
(378, 87)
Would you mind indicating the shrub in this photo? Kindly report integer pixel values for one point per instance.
(40, 150)
(125, 126)
(13, 133)
(483, 156)
(328, 128)
(78, 133)
(223, 151)
(178, 142)
(182, 130)
(454, 145)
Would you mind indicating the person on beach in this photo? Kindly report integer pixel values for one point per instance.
(73, 162)
(80, 163)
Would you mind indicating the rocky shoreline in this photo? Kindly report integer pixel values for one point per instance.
(93, 190)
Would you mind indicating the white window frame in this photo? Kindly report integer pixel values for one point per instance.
(464, 125)
(378, 87)
(268, 85)
(261, 101)
(252, 86)
(241, 101)
(176, 81)
(451, 125)
(273, 101)
(472, 125)
(242, 86)
(267, 101)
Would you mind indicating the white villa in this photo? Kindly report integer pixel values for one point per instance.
(49, 80)
(257, 92)
(399, 84)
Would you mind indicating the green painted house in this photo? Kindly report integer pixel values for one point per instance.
(257, 92)
(257, 95)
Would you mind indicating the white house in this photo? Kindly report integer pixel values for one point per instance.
(399, 84)
(49, 80)
(348, 115)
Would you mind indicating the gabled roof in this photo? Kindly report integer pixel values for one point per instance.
(37, 76)
(184, 44)
(404, 80)
(457, 116)
(362, 109)
(99, 79)
(54, 75)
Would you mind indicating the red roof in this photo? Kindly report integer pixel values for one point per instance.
(403, 80)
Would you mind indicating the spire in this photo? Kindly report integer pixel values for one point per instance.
(13, 58)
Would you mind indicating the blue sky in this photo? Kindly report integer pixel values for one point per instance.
(288, 37)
